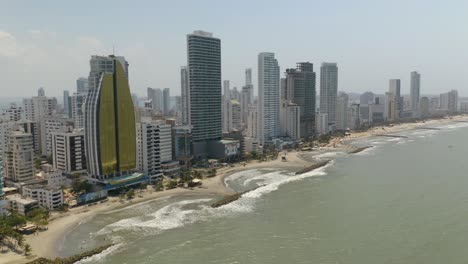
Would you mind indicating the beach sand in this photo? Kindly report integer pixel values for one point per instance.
(44, 243)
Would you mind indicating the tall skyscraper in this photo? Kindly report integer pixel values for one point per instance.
(342, 111)
(204, 64)
(395, 89)
(185, 94)
(77, 113)
(268, 97)
(82, 85)
(157, 100)
(248, 76)
(66, 103)
(166, 101)
(449, 101)
(415, 90)
(300, 89)
(328, 90)
(109, 119)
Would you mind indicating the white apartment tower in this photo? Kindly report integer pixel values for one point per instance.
(290, 120)
(342, 111)
(19, 157)
(148, 149)
(268, 97)
(68, 153)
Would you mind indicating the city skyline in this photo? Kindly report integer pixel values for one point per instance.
(37, 49)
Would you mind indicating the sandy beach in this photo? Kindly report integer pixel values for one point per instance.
(44, 243)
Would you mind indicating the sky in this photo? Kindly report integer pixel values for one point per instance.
(49, 43)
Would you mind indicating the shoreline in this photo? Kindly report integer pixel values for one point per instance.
(45, 243)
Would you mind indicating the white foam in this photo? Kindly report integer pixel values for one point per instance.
(102, 255)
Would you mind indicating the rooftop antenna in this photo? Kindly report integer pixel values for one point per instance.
(113, 50)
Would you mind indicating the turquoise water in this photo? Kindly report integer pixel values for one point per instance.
(403, 201)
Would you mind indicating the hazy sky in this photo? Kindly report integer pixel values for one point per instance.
(49, 43)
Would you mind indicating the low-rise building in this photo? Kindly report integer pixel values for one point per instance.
(47, 197)
(21, 205)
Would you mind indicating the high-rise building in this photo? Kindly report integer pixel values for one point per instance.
(66, 103)
(395, 89)
(328, 90)
(354, 117)
(366, 98)
(185, 95)
(204, 64)
(246, 101)
(342, 111)
(41, 92)
(424, 107)
(300, 89)
(110, 133)
(290, 120)
(157, 100)
(18, 160)
(183, 145)
(233, 115)
(268, 97)
(38, 107)
(48, 125)
(68, 153)
(415, 91)
(252, 122)
(77, 106)
(166, 101)
(449, 101)
(248, 76)
(321, 123)
(82, 85)
(226, 90)
(149, 153)
(12, 113)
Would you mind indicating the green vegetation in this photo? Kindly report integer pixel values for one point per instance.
(159, 186)
(171, 184)
(80, 186)
(130, 194)
(324, 139)
(212, 173)
(197, 174)
(39, 217)
(9, 235)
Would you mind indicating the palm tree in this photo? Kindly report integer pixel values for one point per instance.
(27, 249)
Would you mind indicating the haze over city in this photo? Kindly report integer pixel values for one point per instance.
(49, 43)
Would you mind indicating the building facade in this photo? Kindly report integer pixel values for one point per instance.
(342, 111)
(329, 90)
(300, 89)
(69, 151)
(268, 98)
(415, 91)
(110, 133)
(18, 158)
(204, 65)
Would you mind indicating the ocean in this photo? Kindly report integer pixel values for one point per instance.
(405, 200)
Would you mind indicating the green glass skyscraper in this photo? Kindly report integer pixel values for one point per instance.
(109, 119)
